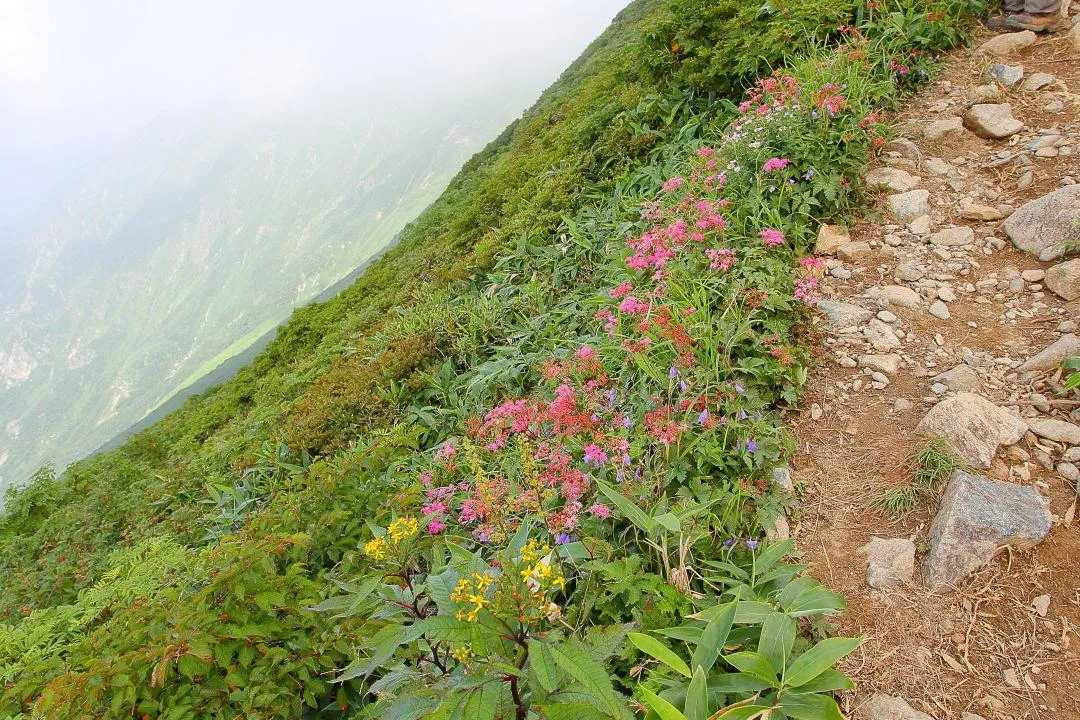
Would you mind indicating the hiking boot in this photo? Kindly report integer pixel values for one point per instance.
(1047, 22)
(997, 23)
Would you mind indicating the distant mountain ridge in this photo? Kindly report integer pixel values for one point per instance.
(186, 246)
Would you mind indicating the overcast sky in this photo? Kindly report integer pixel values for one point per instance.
(77, 77)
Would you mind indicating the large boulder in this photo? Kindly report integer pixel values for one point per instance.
(992, 121)
(1051, 358)
(1064, 279)
(973, 426)
(976, 517)
(1045, 226)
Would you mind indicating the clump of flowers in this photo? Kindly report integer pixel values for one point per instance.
(400, 530)
(521, 591)
(772, 237)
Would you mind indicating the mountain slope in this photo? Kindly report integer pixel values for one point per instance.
(199, 236)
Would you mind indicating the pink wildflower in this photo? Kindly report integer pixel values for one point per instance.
(621, 291)
(722, 259)
(435, 527)
(594, 455)
(632, 306)
(772, 237)
(599, 510)
(674, 183)
(775, 163)
(586, 353)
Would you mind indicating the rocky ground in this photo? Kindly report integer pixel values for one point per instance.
(948, 316)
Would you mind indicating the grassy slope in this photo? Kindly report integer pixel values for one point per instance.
(341, 372)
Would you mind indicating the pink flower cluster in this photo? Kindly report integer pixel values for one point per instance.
(774, 164)
(721, 259)
(772, 237)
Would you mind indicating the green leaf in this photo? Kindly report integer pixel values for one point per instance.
(483, 701)
(829, 681)
(815, 601)
(697, 697)
(591, 677)
(809, 706)
(632, 512)
(570, 711)
(736, 682)
(712, 639)
(817, 659)
(660, 706)
(753, 663)
(741, 712)
(748, 612)
(777, 638)
(771, 555)
(669, 522)
(658, 650)
(542, 665)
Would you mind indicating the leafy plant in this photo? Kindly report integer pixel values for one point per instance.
(1072, 382)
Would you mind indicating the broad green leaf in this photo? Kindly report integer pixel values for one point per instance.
(658, 650)
(570, 711)
(809, 706)
(741, 712)
(660, 706)
(542, 665)
(483, 701)
(748, 612)
(816, 601)
(753, 663)
(829, 681)
(686, 633)
(736, 682)
(771, 555)
(590, 676)
(632, 512)
(817, 659)
(712, 639)
(697, 697)
(777, 638)
(669, 522)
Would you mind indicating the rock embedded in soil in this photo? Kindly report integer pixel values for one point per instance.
(953, 236)
(992, 121)
(1007, 75)
(909, 205)
(971, 210)
(946, 126)
(892, 179)
(973, 426)
(1046, 225)
(1070, 472)
(939, 310)
(854, 251)
(1007, 44)
(1051, 358)
(1064, 279)
(906, 149)
(1056, 430)
(920, 225)
(831, 237)
(894, 295)
(889, 562)
(888, 364)
(1038, 81)
(959, 379)
(880, 336)
(976, 517)
(887, 707)
(842, 314)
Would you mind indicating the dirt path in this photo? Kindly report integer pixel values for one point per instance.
(984, 648)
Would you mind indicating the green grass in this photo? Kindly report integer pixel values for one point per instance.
(929, 467)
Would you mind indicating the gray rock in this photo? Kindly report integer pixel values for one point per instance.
(1007, 75)
(993, 121)
(1069, 471)
(781, 477)
(888, 364)
(892, 179)
(1034, 275)
(972, 210)
(1038, 81)
(940, 128)
(938, 166)
(880, 336)
(889, 562)
(854, 251)
(1056, 430)
(946, 294)
(1072, 455)
(831, 237)
(842, 314)
(939, 310)
(1045, 226)
(920, 225)
(894, 295)
(1007, 44)
(953, 236)
(909, 205)
(1051, 358)
(887, 707)
(959, 379)
(1064, 279)
(906, 149)
(973, 426)
(910, 271)
(975, 518)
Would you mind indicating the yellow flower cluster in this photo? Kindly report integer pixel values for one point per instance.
(538, 573)
(462, 654)
(403, 528)
(400, 529)
(471, 592)
(375, 549)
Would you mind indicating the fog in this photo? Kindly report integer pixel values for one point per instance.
(78, 78)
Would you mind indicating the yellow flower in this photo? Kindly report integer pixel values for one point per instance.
(375, 549)
(403, 528)
(462, 654)
(533, 551)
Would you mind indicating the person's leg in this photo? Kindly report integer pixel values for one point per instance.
(1042, 7)
(1038, 15)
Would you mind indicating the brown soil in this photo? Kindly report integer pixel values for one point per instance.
(948, 654)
